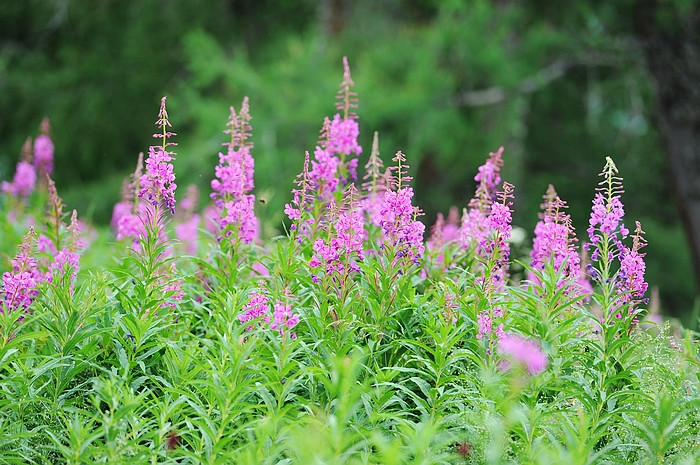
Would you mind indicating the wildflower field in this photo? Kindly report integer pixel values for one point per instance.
(181, 336)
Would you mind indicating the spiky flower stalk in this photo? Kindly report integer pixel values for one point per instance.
(19, 286)
(44, 151)
(606, 232)
(128, 214)
(402, 232)
(335, 157)
(474, 230)
(158, 182)
(234, 180)
(555, 243)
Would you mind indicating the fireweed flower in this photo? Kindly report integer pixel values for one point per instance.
(158, 182)
(66, 263)
(187, 231)
(256, 314)
(495, 246)
(474, 230)
(234, 180)
(283, 319)
(128, 215)
(19, 286)
(375, 184)
(450, 313)
(338, 256)
(298, 210)
(335, 157)
(631, 285)
(606, 232)
(187, 226)
(555, 241)
(43, 151)
(444, 231)
(23, 182)
(490, 323)
(524, 352)
(402, 232)
(623, 289)
(605, 222)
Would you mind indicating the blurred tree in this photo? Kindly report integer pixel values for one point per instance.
(670, 35)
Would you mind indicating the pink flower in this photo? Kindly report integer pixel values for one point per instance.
(158, 182)
(485, 321)
(43, 154)
(489, 178)
(23, 182)
(524, 352)
(631, 285)
(234, 180)
(241, 215)
(187, 231)
(343, 136)
(283, 318)
(324, 173)
(606, 216)
(19, 286)
(256, 308)
(399, 225)
(120, 209)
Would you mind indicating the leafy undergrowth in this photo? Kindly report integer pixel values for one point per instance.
(185, 338)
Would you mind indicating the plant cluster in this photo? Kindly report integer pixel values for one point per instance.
(349, 339)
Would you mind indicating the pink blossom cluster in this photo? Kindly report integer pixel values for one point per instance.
(66, 261)
(23, 182)
(44, 151)
(488, 178)
(234, 174)
(283, 319)
(486, 320)
(444, 231)
(606, 217)
(43, 154)
(298, 209)
(257, 310)
(187, 225)
(335, 157)
(399, 225)
(555, 241)
(240, 213)
(524, 352)
(631, 285)
(341, 253)
(128, 220)
(186, 232)
(234, 180)
(324, 173)
(376, 183)
(19, 286)
(330, 170)
(474, 229)
(158, 182)
(494, 248)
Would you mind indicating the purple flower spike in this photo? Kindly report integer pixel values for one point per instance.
(158, 183)
(43, 151)
(234, 180)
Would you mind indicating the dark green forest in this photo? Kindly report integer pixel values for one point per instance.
(446, 82)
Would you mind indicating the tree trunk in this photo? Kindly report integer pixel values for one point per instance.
(671, 41)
